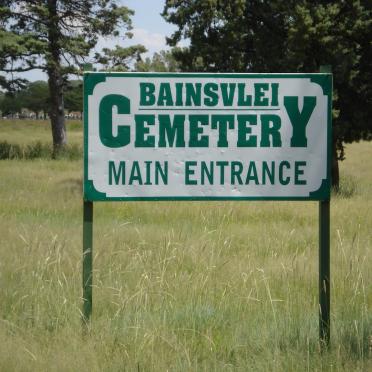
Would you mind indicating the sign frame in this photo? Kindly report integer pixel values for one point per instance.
(323, 79)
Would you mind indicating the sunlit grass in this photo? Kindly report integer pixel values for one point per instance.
(180, 286)
(21, 132)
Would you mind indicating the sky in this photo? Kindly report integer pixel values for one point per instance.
(149, 29)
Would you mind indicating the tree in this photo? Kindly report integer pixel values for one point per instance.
(340, 32)
(227, 35)
(35, 97)
(9, 45)
(120, 59)
(10, 104)
(163, 61)
(290, 36)
(74, 95)
(57, 36)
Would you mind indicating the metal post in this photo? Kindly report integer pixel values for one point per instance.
(87, 253)
(324, 272)
(87, 261)
(324, 263)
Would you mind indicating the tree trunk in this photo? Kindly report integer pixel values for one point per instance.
(57, 112)
(55, 80)
(335, 169)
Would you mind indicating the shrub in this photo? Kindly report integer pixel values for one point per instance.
(9, 151)
(70, 152)
(38, 150)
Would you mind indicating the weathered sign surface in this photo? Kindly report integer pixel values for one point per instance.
(207, 136)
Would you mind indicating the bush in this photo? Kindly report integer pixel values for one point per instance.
(9, 151)
(70, 152)
(38, 150)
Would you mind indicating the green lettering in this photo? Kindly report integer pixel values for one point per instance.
(222, 165)
(208, 172)
(117, 174)
(210, 91)
(284, 180)
(252, 173)
(168, 132)
(243, 100)
(148, 172)
(193, 94)
(299, 120)
(259, 94)
(142, 139)
(299, 172)
(236, 171)
(105, 121)
(163, 173)
(244, 129)
(274, 94)
(196, 130)
(221, 122)
(228, 91)
(190, 172)
(268, 130)
(267, 172)
(135, 174)
(165, 95)
(147, 96)
(179, 97)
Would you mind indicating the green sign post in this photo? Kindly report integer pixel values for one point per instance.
(208, 137)
(87, 261)
(324, 260)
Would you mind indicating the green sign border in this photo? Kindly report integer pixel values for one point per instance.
(91, 79)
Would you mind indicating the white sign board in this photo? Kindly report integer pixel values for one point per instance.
(207, 136)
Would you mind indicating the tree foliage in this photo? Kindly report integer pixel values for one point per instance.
(35, 97)
(120, 59)
(227, 35)
(74, 96)
(57, 36)
(337, 33)
(163, 61)
(290, 36)
(10, 104)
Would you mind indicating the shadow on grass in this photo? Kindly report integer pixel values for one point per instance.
(348, 188)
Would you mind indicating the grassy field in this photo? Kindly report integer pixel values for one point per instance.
(178, 286)
(24, 132)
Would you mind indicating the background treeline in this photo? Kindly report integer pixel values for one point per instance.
(33, 100)
(35, 96)
(221, 36)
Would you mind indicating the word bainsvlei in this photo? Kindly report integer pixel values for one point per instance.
(172, 131)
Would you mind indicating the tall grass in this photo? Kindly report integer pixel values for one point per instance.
(32, 139)
(22, 132)
(38, 150)
(180, 286)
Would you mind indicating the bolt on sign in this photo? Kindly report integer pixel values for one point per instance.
(207, 136)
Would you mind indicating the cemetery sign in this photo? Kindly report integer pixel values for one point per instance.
(207, 136)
